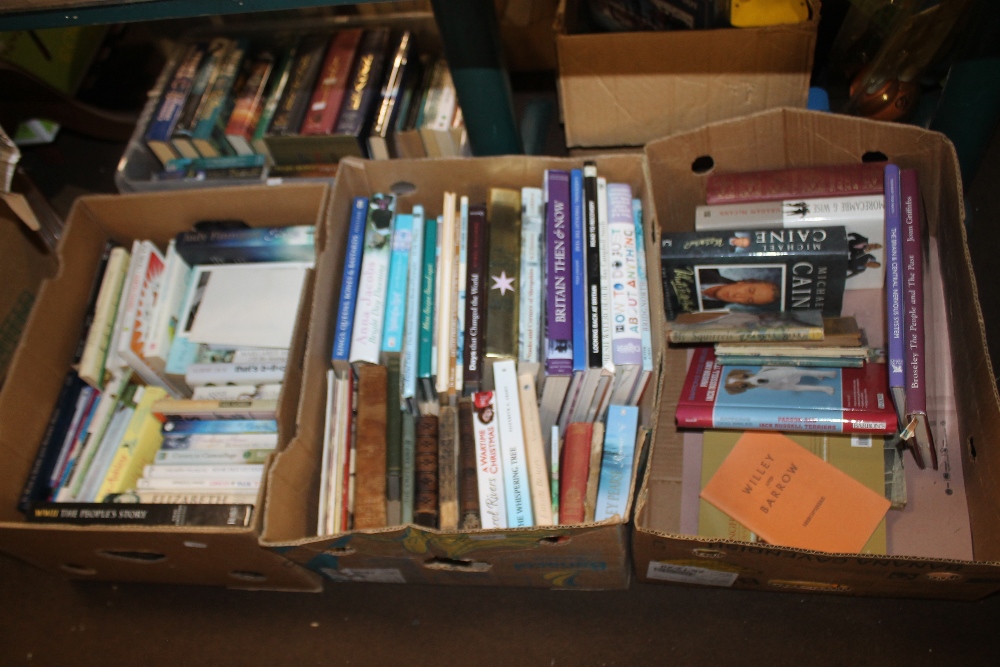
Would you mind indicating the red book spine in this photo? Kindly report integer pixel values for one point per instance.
(249, 103)
(370, 482)
(867, 404)
(779, 184)
(695, 406)
(332, 83)
(573, 471)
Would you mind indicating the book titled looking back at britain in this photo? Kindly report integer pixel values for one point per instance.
(755, 270)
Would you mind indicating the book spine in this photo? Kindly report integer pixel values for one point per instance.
(512, 446)
(428, 280)
(398, 80)
(199, 375)
(282, 76)
(448, 469)
(531, 276)
(559, 275)
(489, 468)
(168, 112)
(213, 114)
(409, 445)
(332, 419)
(645, 318)
(364, 84)
(394, 446)
(504, 215)
(593, 472)
(296, 243)
(86, 405)
(475, 305)
(399, 262)
(192, 497)
(294, 105)
(607, 360)
(95, 288)
(593, 265)
(106, 309)
(425, 504)
(446, 273)
(454, 255)
(366, 336)
(246, 111)
(142, 514)
(579, 271)
(573, 473)
(461, 279)
(615, 484)
(329, 92)
(781, 184)
(187, 409)
(200, 457)
(200, 87)
(183, 426)
(370, 490)
(345, 455)
(411, 328)
(247, 484)
(765, 360)
(166, 309)
(349, 285)
(214, 441)
(468, 484)
(894, 275)
(36, 486)
(626, 335)
(534, 445)
(238, 392)
(137, 447)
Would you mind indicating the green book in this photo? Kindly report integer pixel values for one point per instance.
(428, 395)
(503, 216)
(282, 73)
(209, 135)
(409, 470)
(394, 446)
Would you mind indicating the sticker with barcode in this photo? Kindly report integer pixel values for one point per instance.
(861, 441)
(688, 574)
(386, 575)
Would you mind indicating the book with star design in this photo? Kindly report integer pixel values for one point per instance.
(503, 216)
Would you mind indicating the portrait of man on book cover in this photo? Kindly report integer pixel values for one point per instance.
(752, 288)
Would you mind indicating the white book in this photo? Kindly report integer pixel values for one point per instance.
(113, 360)
(213, 483)
(373, 283)
(238, 392)
(489, 468)
(437, 305)
(532, 281)
(602, 224)
(512, 449)
(259, 355)
(626, 335)
(199, 375)
(166, 311)
(538, 470)
(454, 365)
(411, 328)
(463, 251)
(139, 297)
(95, 350)
(194, 497)
(324, 513)
(201, 457)
(195, 472)
(340, 454)
(444, 383)
(203, 441)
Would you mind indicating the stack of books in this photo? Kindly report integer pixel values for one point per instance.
(487, 362)
(779, 258)
(171, 404)
(235, 107)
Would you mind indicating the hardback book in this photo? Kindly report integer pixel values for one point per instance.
(136, 449)
(409, 470)
(208, 136)
(838, 332)
(329, 92)
(248, 106)
(792, 349)
(349, 286)
(765, 270)
(296, 243)
(395, 302)
(448, 468)
(489, 471)
(791, 497)
(848, 400)
(725, 327)
(370, 490)
(645, 317)
(366, 336)
(512, 446)
(615, 485)
(425, 503)
(279, 84)
(200, 375)
(163, 321)
(468, 483)
(402, 71)
(208, 71)
(439, 108)
(357, 111)
(504, 216)
(626, 333)
(573, 471)
(188, 409)
(535, 450)
(921, 439)
(394, 445)
(411, 323)
(142, 514)
(593, 472)
(95, 351)
(445, 368)
(794, 183)
(894, 290)
(477, 259)
(294, 105)
(756, 359)
(461, 276)
(427, 397)
(168, 111)
(863, 217)
(533, 235)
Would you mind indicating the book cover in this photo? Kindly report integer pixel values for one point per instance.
(920, 438)
(370, 489)
(394, 446)
(475, 300)
(356, 116)
(713, 522)
(767, 270)
(444, 369)
(438, 113)
(208, 136)
(428, 281)
(171, 104)
(468, 483)
(645, 317)
(594, 472)
(332, 84)
(489, 470)
(504, 216)
(402, 72)
(296, 243)
(724, 327)
(573, 472)
(894, 289)
(349, 285)
(411, 324)
(425, 503)
(280, 78)
(626, 334)
(373, 281)
(791, 497)
(849, 400)
(530, 332)
(614, 487)
(512, 446)
(395, 302)
(798, 182)
(140, 514)
(559, 275)
(295, 103)
(208, 71)
(249, 103)
(448, 469)
(534, 447)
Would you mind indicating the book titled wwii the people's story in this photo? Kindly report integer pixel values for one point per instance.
(756, 270)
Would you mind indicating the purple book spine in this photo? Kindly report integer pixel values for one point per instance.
(558, 297)
(913, 304)
(475, 299)
(893, 275)
(626, 334)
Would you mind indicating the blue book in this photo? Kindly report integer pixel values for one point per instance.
(645, 317)
(395, 301)
(463, 255)
(616, 463)
(349, 286)
(425, 341)
(894, 288)
(190, 426)
(161, 127)
(261, 244)
(411, 327)
(579, 268)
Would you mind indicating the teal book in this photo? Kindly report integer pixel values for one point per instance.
(395, 302)
(616, 462)
(208, 136)
(426, 338)
(411, 325)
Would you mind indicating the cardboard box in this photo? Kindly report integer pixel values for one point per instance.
(628, 88)
(591, 556)
(940, 549)
(192, 555)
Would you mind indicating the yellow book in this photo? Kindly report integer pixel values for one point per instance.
(138, 448)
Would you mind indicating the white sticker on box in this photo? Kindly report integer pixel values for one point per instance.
(861, 441)
(688, 574)
(381, 575)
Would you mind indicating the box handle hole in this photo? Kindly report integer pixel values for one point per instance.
(246, 575)
(702, 164)
(874, 156)
(553, 540)
(195, 545)
(137, 556)
(972, 448)
(455, 565)
(78, 570)
(402, 188)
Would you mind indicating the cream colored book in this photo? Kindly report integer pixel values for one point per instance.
(446, 269)
(534, 446)
(95, 350)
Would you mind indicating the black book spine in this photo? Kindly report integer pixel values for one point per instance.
(141, 514)
(363, 88)
(293, 107)
(95, 289)
(593, 250)
(475, 300)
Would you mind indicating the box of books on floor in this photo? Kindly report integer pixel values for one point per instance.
(827, 403)
(480, 377)
(157, 375)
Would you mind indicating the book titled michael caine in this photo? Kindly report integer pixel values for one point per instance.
(756, 270)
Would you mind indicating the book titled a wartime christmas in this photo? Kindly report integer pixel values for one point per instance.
(754, 270)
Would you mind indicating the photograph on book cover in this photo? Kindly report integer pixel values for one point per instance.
(752, 287)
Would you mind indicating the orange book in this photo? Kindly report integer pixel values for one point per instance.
(790, 496)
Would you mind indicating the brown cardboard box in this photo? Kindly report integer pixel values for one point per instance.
(589, 556)
(625, 89)
(192, 555)
(940, 549)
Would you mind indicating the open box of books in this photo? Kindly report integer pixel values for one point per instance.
(121, 466)
(940, 538)
(448, 477)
